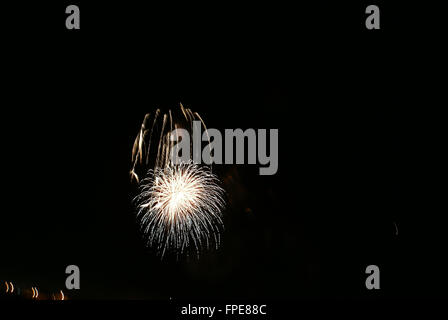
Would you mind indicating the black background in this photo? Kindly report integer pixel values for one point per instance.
(357, 151)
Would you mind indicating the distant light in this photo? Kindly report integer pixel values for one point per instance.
(35, 292)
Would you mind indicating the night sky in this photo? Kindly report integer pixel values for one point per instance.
(353, 159)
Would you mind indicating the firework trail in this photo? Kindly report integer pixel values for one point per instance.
(178, 205)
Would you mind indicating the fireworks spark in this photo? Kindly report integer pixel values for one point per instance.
(178, 205)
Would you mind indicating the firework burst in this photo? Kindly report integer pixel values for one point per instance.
(178, 205)
(181, 205)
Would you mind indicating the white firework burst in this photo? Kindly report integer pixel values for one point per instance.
(179, 205)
